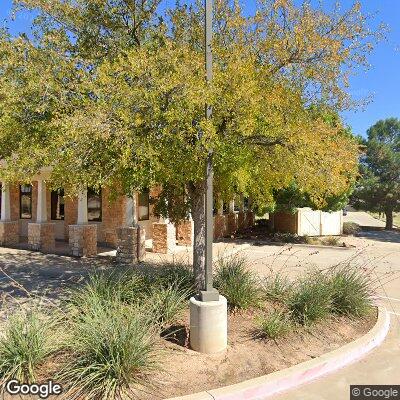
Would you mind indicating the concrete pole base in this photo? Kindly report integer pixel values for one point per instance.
(208, 325)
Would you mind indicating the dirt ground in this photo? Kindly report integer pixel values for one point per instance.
(248, 355)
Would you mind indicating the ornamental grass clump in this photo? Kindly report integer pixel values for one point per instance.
(166, 305)
(238, 283)
(311, 299)
(26, 342)
(276, 287)
(178, 275)
(275, 324)
(352, 292)
(126, 286)
(111, 347)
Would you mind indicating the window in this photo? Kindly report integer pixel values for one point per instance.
(144, 206)
(94, 205)
(25, 201)
(57, 205)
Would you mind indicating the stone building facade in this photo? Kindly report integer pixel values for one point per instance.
(35, 215)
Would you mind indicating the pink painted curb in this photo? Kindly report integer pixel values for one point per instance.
(279, 381)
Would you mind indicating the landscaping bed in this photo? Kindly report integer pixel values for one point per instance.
(125, 333)
(249, 355)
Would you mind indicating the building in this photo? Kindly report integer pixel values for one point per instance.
(32, 214)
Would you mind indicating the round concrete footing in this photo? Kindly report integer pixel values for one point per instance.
(208, 325)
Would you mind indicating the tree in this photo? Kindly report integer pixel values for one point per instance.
(378, 189)
(135, 117)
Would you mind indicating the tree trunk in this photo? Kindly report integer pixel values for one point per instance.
(389, 218)
(197, 198)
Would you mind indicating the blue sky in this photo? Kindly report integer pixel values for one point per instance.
(382, 80)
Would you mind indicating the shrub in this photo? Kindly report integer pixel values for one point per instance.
(350, 228)
(237, 283)
(311, 299)
(275, 324)
(178, 275)
(125, 285)
(111, 347)
(276, 287)
(166, 304)
(330, 241)
(27, 341)
(351, 291)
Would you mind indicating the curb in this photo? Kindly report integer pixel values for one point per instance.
(279, 381)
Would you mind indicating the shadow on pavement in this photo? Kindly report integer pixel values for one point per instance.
(380, 234)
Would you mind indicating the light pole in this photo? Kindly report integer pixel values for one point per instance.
(209, 293)
(208, 311)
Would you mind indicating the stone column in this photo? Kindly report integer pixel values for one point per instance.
(9, 230)
(41, 234)
(131, 237)
(232, 218)
(250, 219)
(164, 237)
(83, 236)
(241, 215)
(220, 225)
(185, 232)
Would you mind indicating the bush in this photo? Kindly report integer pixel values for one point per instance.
(350, 228)
(330, 241)
(351, 291)
(275, 324)
(178, 275)
(276, 287)
(126, 285)
(237, 283)
(112, 347)
(166, 305)
(27, 341)
(311, 299)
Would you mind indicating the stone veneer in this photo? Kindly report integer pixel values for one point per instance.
(131, 245)
(232, 223)
(164, 238)
(184, 233)
(9, 233)
(220, 226)
(83, 240)
(241, 222)
(41, 237)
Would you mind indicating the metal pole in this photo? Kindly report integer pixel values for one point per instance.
(209, 293)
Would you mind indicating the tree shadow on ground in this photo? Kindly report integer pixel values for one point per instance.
(380, 234)
(30, 274)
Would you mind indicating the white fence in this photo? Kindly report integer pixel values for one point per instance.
(310, 222)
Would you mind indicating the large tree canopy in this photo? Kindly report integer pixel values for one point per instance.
(113, 93)
(378, 189)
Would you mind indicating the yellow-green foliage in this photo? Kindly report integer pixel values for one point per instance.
(129, 108)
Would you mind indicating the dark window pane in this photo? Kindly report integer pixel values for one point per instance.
(94, 205)
(144, 206)
(25, 201)
(57, 205)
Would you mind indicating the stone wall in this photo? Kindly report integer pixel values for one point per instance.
(113, 216)
(9, 233)
(83, 240)
(41, 237)
(285, 222)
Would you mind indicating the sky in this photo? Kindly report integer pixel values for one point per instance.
(381, 81)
